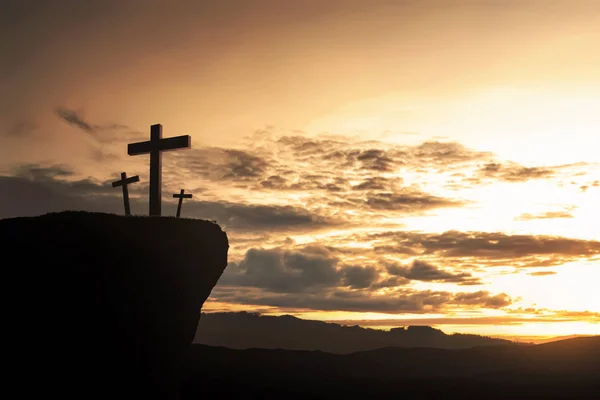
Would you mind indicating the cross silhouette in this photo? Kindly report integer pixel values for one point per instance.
(181, 196)
(124, 182)
(155, 146)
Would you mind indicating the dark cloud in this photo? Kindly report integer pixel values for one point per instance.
(38, 173)
(409, 201)
(74, 118)
(423, 271)
(512, 172)
(101, 133)
(483, 298)
(546, 215)
(360, 277)
(377, 183)
(275, 182)
(244, 165)
(222, 164)
(379, 157)
(240, 216)
(55, 178)
(440, 154)
(286, 271)
(490, 247)
(376, 160)
(398, 302)
(34, 190)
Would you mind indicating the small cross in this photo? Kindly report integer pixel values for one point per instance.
(124, 182)
(181, 196)
(155, 146)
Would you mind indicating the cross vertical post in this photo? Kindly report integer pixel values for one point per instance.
(155, 172)
(124, 182)
(155, 146)
(181, 196)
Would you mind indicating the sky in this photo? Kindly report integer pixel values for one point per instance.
(380, 163)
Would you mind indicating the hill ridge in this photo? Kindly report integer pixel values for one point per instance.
(293, 333)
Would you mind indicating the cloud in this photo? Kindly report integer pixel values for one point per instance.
(358, 277)
(548, 316)
(441, 154)
(545, 215)
(424, 271)
(75, 119)
(409, 201)
(397, 302)
(483, 298)
(58, 179)
(36, 190)
(375, 160)
(240, 216)
(378, 183)
(593, 184)
(277, 270)
(512, 172)
(378, 157)
(221, 164)
(101, 133)
(487, 248)
(542, 273)
(315, 277)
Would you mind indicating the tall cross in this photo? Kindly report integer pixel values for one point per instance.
(155, 146)
(181, 196)
(124, 182)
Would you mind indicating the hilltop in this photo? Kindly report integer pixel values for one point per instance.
(100, 303)
(291, 333)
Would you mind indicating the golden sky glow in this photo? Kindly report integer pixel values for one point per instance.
(395, 161)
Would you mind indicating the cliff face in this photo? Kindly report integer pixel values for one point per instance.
(106, 306)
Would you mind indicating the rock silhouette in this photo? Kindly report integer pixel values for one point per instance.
(288, 332)
(105, 306)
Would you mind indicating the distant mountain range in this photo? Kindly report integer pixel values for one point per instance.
(250, 330)
(567, 369)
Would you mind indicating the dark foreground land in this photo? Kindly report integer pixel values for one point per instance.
(100, 306)
(568, 369)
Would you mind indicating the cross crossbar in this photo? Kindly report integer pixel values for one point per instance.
(126, 181)
(167, 144)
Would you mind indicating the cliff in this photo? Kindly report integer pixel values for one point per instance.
(105, 306)
(290, 333)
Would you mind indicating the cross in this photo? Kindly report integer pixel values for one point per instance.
(181, 196)
(124, 182)
(155, 146)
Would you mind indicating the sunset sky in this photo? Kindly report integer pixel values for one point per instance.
(376, 162)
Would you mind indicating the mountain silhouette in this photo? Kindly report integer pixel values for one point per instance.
(105, 306)
(565, 369)
(245, 330)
